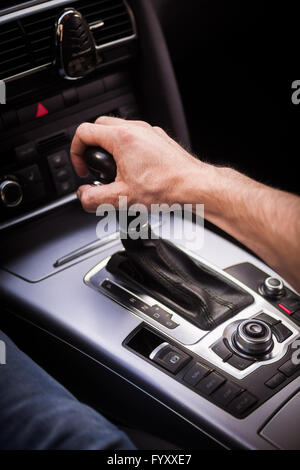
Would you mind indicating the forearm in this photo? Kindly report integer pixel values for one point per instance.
(266, 220)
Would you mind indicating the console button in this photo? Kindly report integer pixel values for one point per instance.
(210, 383)
(267, 319)
(242, 403)
(281, 332)
(26, 152)
(70, 97)
(58, 160)
(172, 359)
(239, 363)
(221, 350)
(30, 176)
(38, 110)
(275, 381)
(195, 374)
(296, 317)
(289, 305)
(226, 393)
(289, 368)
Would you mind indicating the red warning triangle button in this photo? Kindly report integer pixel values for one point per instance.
(41, 111)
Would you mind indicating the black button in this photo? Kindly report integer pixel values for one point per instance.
(172, 359)
(267, 319)
(275, 381)
(289, 368)
(239, 362)
(226, 393)
(195, 374)
(70, 97)
(58, 159)
(62, 175)
(221, 350)
(168, 323)
(65, 188)
(210, 383)
(281, 332)
(30, 176)
(26, 152)
(296, 317)
(242, 403)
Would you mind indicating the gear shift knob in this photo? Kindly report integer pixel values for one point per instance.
(101, 164)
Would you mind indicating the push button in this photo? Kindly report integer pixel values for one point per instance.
(26, 152)
(242, 403)
(239, 362)
(41, 109)
(281, 332)
(210, 383)
(195, 374)
(275, 381)
(289, 368)
(171, 359)
(226, 393)
(267, 319)
(221, 350)
(58, 160)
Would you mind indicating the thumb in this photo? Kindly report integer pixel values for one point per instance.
(91, 197)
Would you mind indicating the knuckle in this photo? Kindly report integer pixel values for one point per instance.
(159, 129)
(82, 128)
(125, 134)
(86, 200)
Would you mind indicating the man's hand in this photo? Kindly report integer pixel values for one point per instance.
(151, 167)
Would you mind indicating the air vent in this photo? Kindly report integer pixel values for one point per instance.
(29, 43)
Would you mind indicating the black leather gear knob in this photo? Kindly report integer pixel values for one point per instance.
(101, 164)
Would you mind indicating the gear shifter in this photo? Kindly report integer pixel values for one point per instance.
(197, 293)
(101, 164)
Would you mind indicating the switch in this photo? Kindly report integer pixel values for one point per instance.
(195, 374)
(289, 368)
(239, 362)
(225, 394)
(275, 381)
(170, 358)
(281, 332)
(210, 383)
(242, 403)
(221, 350)
(26, 152)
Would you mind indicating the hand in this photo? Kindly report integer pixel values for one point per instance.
(151, 167)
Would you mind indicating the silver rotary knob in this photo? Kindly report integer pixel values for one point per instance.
(254, 337)
(272, 287)
(11, 193)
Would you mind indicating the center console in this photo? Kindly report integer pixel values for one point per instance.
(236, 382)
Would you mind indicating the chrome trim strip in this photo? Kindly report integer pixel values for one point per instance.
(48, 5)
(43, 210)
(115, 237)
(156, 350)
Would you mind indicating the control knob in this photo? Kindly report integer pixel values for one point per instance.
(253, 337)
(11, 193)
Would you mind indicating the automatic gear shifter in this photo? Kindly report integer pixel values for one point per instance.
(197, 293)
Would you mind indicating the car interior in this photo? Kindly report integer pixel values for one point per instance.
(212, 74)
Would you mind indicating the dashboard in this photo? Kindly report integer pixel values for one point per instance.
(53, 270)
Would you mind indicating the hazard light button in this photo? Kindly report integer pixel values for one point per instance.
(41, 109)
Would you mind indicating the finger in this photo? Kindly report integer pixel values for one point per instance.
(113, 121)
(90, 135)
(91, 197)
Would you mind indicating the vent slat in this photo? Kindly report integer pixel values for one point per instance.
(22, 52)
